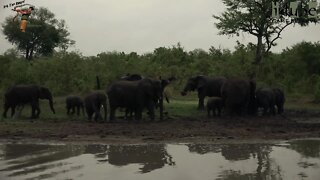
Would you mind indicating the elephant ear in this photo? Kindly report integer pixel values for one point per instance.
(201, 82)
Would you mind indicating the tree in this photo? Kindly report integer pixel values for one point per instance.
(44, 33)
(255, 17)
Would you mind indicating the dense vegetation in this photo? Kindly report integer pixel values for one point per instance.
(296, 69)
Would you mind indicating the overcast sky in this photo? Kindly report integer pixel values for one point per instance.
(143, 25)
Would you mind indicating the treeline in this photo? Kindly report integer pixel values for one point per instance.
(296, 70)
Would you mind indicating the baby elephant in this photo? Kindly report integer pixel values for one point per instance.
(215, 104)
(93, 103)
(73, 102)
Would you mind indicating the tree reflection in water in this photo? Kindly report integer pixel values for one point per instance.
(29, 158)
(266, 167)
(308, 148)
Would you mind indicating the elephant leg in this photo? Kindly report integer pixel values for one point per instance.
(78, 110)
(89, 113)
(280, 109)
(73, 110)
(97, 116)
(20, 110)
(82, 109)
(265, 110)
(131, 114)
(151, 111)
(33, 111)
(68, 110)
(273, 110)
(37, 110)
(201, 103)
(112, 113)
(138, 114)
(6, 108)
(127, 113)
(151, 107)
(13, 110)
(208, 110)
(219, 111)
(97, 113)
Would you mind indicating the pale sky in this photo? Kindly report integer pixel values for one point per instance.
(143, 25)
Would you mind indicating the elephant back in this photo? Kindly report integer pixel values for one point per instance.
(214, 85)
(236, 90)
(236, 95)
(122, 93)
(22, 93)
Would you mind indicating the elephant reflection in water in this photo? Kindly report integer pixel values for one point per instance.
(151, 156)
(204, 148)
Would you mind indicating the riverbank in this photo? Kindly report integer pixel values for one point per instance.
(293, 124)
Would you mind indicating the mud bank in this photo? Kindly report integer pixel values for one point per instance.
(293, 124)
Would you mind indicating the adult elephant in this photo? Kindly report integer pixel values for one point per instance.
(266, 99)
(206, 86)
(279, 99)
(26, 94)
(134, 95)
(93, 103)
(238, 96)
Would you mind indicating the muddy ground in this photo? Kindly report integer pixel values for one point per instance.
(293, 124)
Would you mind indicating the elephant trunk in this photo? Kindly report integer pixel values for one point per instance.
(51, 105)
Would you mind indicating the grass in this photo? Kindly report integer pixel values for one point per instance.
(179, 106)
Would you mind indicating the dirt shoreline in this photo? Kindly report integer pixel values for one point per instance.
(292, 125)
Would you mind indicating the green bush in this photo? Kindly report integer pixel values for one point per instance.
(296, 69)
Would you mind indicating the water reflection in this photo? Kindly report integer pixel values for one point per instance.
(308, 148)
(290, 160)
(265, 166)
(151, 157)
(26, 158)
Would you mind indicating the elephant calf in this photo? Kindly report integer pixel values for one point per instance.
(215, 104)
(93, 103)
(265, 98)
(73, 102)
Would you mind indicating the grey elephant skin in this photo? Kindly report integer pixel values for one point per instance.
(214, 105)
(134, 95)
(93, 103)
(206, 86)
(73, 103)
(238, 96)
(266, 100)
(159, 102)
(279, 99)
(26, 94)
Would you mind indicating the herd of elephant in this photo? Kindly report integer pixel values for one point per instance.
(135, 93)
(237, 96)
